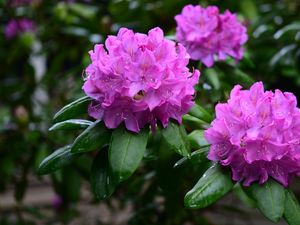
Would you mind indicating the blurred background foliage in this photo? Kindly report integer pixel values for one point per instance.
(41, 71)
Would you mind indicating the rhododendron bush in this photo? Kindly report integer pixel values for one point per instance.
(171, 112)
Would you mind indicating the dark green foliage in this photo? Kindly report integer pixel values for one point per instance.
(291, 208)
(72, 110)
(57, 160)
(72, 124)
(175, 135)
(213, 185)
(270, 199)
(102, 179)
(126, 151)
(93, 138)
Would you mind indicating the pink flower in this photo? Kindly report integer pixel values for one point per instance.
(257, 134)
(57, 202)
(18, 26)
(206, 33)
(140, 79)
(17, 3)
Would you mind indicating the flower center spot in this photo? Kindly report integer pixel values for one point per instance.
(139, 95)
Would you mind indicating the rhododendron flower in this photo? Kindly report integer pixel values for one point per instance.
(257, 134)
(16, 3)
(57, 202)
(140, 79)
(206, 33)
(72, 1)
(17, 26)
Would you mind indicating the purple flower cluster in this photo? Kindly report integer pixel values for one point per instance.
(18, 26)
(139, 79)
(72, 1)
(57, 202)
(206, 33)
(16, 3)
(257, 134)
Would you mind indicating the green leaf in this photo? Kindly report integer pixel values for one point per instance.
(200, 113)
(57, 160)
(291, 209)
(41, 154)
(270, 199)
(197, 140)
(193, 122)
(102, 181)
(242, 195)
(71, 184)
(281, 54)
(262, 31)
(126, 151)
(72, 124)
(213, 185)
(195, 158)
(175, 135)
(246, 60)
(242, 77)
(291, 27)
(249, 9)
(73, 109)
(213, 77)
(93, 138)
(83, 10)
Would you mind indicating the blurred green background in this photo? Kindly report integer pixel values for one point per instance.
(41, 71)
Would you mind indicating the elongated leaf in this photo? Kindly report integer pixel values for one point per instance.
(193, 122)
(281, 54)
(262, 30)
(175, 135)
(126, 152)
(270, 199)
(200, 113)
(101, 177)
(83, 10)
(291, 208)
(93, 138)
(195, 158)
(73, 109)
(72, 124)
(290, 27)
(242, 77)
(57, 160)
(247, 60)
(212, 76)
(213, 185)
(196, 139)
(242, 195)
